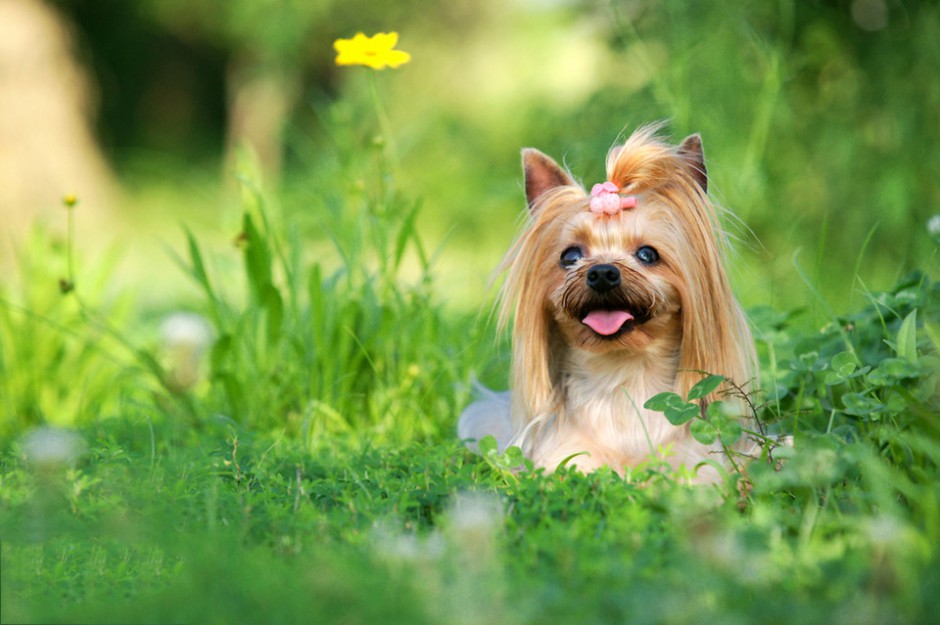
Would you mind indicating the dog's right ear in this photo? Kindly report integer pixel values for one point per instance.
(541, 174)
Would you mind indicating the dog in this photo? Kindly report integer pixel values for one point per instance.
(618, 295)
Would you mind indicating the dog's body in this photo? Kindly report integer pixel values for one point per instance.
(618, 296)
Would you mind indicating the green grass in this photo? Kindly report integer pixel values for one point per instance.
(301, 466)
(313, 473)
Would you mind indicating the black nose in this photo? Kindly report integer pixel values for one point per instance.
(603, 278)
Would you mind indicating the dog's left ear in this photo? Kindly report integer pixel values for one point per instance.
(541, 174)
(691, 150)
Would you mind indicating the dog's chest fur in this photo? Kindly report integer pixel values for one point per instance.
(602, 410)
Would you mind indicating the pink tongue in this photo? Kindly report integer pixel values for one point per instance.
(606, 322)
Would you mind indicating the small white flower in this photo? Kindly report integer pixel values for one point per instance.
(885, 530)
(49, 447)
(475, 515)
(186, 329)
(186, 336)
(933, 227)
(472, 525)
(397, 546)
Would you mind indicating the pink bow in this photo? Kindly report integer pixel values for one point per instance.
(606, 199)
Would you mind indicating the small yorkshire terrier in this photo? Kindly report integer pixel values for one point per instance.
(619, 294)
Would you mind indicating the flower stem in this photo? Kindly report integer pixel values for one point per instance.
(69, 244)
(67, 284)
(385, 126)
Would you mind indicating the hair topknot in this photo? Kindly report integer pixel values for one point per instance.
(646, 162)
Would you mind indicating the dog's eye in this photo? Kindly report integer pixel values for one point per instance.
(570, 256)
(647, 255)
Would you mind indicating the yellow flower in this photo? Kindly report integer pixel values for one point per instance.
(375, 52)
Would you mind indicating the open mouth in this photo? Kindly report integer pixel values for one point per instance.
(609, 323)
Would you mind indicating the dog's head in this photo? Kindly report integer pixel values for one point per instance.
(634, 268)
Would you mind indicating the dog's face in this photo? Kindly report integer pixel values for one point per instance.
(632, 268)
(612, 285)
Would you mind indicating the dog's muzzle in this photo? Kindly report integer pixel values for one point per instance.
(609, 306)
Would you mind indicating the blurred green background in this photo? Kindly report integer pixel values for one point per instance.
(298, 180)
(819, 121)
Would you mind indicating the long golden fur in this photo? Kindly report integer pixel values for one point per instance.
(576, 390)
